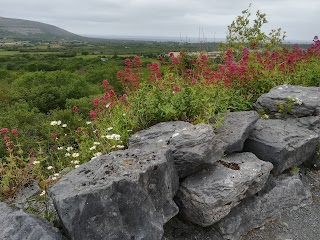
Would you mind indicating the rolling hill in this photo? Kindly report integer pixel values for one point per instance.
(19, 29)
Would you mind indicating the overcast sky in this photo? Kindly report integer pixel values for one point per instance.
(300, 19)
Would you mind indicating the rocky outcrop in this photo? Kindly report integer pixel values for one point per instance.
(282, 144)
(303, 101)
(131, 194)
(236, 128)
(18, 225)
(194, 146)
(123, 195)
(289, 193)
(206, 197)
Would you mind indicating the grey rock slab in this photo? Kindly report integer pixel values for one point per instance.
(32, 189)
(18, 225)
(288, 194)
(310, 97)
(236, 128)
(123, 195)
(193, 146)
(284, 145)
(312, 122)
(206, 197)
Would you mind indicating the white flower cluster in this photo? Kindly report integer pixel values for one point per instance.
(297, 101)
(113, 137)
(69, 149)
(57, 123)
(98, 154)
(55, 176)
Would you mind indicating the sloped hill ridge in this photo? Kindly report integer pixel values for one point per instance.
(20, 29)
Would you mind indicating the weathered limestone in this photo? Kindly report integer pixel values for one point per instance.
(206, 197)
(193, 146)
(123, 195)
(18, 225)
(282, 144)
(289, 193)
(236, 129)
(309, 97)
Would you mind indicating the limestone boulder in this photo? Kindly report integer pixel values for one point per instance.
(288, 194)
(193, 146)
(19, 225)
(206, 197)
(284, 145)
(123, 195)
(307, 100)
(312, 123)
(236, 128)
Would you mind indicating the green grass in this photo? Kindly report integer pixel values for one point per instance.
(8, 53)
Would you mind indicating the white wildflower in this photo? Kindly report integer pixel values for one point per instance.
(76, 166)
(98, 154)
(60, 148)
(42, 193)
(116, 136)
(67, 155)
(88, 123)
(129, 130)
(108, 105)
(109, 128)
(64, 125)
(96, 143)
(113, 137)
(53, 123)
(120, 146)
(69, 149)
(75, 155)
(36, 162)
(56, 174)
(50, 167)
(75, 162)
(93, 147)
(59, 122)
(54, 178)
(297, 101)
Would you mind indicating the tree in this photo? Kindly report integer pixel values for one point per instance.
(242, 33)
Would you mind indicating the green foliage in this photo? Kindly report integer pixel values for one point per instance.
(50, 90)
(243, 32)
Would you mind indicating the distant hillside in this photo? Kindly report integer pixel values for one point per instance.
(20, 29)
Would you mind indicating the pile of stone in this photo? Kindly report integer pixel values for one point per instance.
(175, 176)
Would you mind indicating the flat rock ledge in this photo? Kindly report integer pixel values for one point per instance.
(206, 197)
(18, 225)
(288, 194)
(236, 128)
(123, 195)
(194, 147)
(284, 145)
(308, 100)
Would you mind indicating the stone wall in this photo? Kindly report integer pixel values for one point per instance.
(178, 177)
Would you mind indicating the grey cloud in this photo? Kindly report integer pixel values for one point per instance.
(163, 17)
